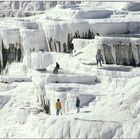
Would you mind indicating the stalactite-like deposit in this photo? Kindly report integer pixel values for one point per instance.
(66, 47)
(120, 51)
(9, 55)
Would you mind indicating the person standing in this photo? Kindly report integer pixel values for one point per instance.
(99, 58)
(58, 107)
(78, 104)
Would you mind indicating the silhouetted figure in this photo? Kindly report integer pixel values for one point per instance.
(57, 65)
(99, 57)
(58, 107)
(78, 104)
(55, 71)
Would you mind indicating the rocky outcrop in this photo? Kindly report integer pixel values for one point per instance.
(120, 50)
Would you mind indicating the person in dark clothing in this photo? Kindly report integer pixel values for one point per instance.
(57, 65)
(78, 104)
(99, 57)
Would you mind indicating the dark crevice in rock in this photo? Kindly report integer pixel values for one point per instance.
(124, 54)
(108, 54)
(67, 47)
(9, 55)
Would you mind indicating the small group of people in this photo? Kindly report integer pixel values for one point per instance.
(99, 58)
(55, 71)
(59, 107)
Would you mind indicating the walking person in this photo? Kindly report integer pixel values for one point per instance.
(78, 104)
(58, 107)
(99, 58)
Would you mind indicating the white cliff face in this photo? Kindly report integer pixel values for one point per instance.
(31, 46)
(49, 32)
(10, 36)
(24, 8)
(122, 50)
(112, 110)
(106, 130)
(33, 40)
